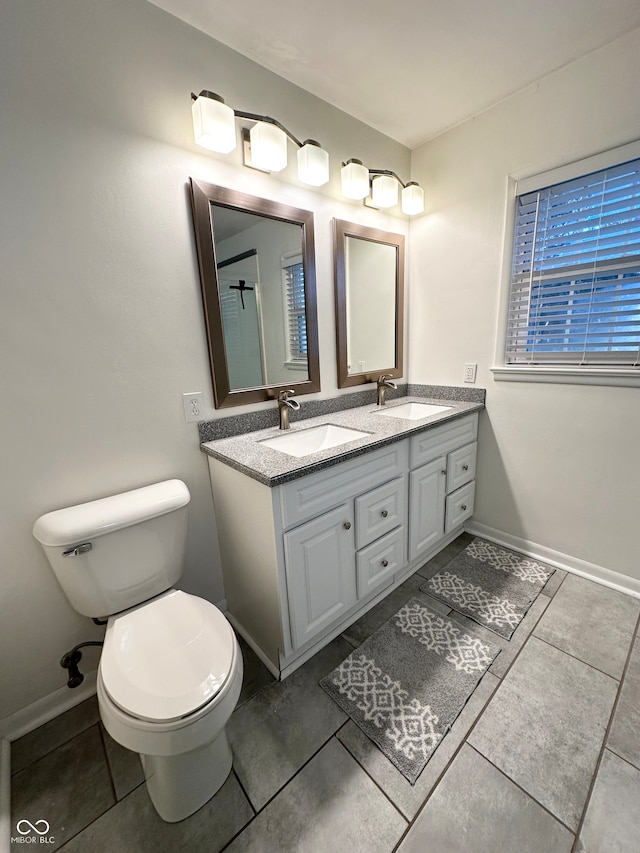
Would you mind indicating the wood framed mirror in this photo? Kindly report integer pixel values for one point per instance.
(257, 273)
(369, 289)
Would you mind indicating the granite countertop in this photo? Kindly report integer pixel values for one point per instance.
(273, 467)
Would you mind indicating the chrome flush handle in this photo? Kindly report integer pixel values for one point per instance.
(77, 549)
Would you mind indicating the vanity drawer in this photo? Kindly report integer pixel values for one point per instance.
(311, 495)
(434, 442)
(379, 511)
(377, 563)
(461, 466)
(459, 506)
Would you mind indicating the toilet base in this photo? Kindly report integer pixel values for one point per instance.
(179, 785)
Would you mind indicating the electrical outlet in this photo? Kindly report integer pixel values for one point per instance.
(470, 372)
(192, 404)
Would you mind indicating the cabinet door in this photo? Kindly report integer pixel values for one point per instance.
(426, 506)
(321, 572)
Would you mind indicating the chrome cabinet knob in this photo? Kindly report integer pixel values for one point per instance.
(463, 507)
(385, 563)
(347, 525)
(465, 467)
(384, 513)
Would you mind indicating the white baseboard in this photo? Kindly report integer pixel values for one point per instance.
(45, 709)
(5, 796)
(591, 571)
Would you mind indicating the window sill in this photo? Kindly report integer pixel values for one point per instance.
(626, 377)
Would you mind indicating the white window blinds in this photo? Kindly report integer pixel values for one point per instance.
(296, 318)
(575, 283)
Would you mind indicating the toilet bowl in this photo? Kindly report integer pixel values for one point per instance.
(169, 678)
(171, 669)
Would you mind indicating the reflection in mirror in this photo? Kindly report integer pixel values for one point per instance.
(257, 271)
(369, 279)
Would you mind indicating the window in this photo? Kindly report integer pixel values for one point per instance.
(575, 278)
(295, 310)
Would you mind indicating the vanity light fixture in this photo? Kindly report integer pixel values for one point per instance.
(214, 128)
(354, 179)
(412, 198)
(359, 182)
(384, 191)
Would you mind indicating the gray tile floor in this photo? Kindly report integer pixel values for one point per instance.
(544, 758)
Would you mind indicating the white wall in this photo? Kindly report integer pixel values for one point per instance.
(559, 464)
(101, 326)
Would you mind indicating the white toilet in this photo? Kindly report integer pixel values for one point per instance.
(171, 668)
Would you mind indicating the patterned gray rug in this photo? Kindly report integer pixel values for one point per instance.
(491, 585)
(407, 683)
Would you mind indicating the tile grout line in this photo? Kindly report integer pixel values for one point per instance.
(527, 794)
(370, 777)
(605, 738)
(471, 728)
(259, 811)
(108, 763)
(576, 658)
(57, 746)
(113, 790)
(244, 791)
(622, 758)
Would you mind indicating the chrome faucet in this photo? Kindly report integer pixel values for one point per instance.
(284, 404)
(384, 382)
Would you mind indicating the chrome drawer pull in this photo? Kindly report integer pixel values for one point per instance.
(385, 563)
(463, 507)
(465, 467)
(347, 525)
(384, 513)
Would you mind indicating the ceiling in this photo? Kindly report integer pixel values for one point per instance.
(411, 68)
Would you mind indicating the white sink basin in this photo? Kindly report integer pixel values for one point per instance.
(314, 439)
(413, 411)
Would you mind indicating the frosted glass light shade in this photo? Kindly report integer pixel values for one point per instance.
(313, 164)
(384, 191)
(214, 125)
(268, 147)
(354, 178)
(412, 199)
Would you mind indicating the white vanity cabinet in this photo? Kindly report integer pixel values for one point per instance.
(441, 482)
(303, 559)
(340, 558)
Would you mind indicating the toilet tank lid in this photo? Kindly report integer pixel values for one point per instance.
(84, 521)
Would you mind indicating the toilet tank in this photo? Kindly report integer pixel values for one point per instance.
(116, 552)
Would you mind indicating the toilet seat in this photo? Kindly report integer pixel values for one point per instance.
(168, 658)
